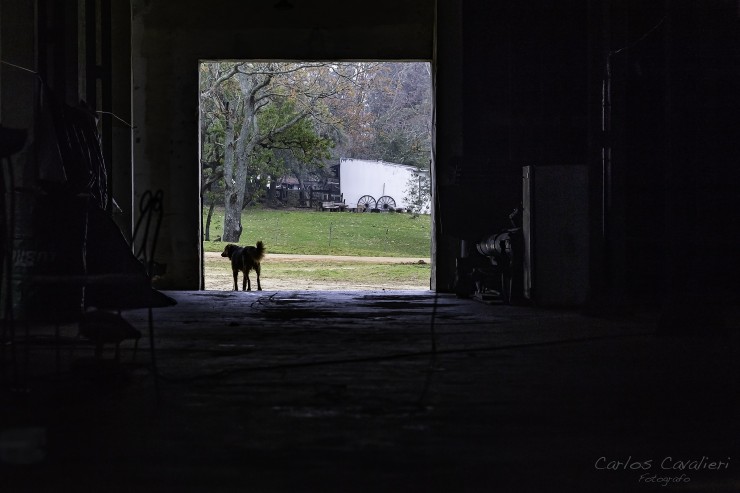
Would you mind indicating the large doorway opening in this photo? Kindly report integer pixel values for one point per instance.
(327, 163)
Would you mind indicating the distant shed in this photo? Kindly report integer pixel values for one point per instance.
(359, 178)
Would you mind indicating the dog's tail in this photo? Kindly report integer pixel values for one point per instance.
(260, 251)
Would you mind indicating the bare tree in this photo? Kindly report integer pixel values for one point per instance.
(253, 89)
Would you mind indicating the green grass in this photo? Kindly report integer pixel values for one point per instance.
(330, 233)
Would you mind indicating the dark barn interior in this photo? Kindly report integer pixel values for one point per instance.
(608, 363)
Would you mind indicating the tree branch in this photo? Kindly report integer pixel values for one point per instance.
(220, 80)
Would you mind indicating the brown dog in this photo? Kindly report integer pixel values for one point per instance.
(245, 259)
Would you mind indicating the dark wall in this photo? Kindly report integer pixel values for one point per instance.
(702, 155)
(672, 177)
(526, 102)
(633, 68)
(662, 147)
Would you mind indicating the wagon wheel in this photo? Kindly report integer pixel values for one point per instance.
(365, 203)
(386, 203)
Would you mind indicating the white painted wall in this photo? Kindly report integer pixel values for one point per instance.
(358, 177)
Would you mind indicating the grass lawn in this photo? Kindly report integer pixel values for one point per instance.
(329, 233)
(297, 275)
(308, 232)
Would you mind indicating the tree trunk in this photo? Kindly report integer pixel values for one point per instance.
(208, 220)
(232, 220)
(236, 182)
(271, 201)
(232, 207)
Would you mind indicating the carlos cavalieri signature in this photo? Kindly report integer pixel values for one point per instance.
(664, 470)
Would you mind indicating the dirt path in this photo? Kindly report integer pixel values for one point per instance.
(221, 279)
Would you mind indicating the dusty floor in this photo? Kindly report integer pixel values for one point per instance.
(300, 391)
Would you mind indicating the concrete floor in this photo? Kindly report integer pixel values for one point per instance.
(383, 391)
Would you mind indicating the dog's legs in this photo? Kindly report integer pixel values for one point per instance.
(247, 282)
(236, 285)
(257, 270)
